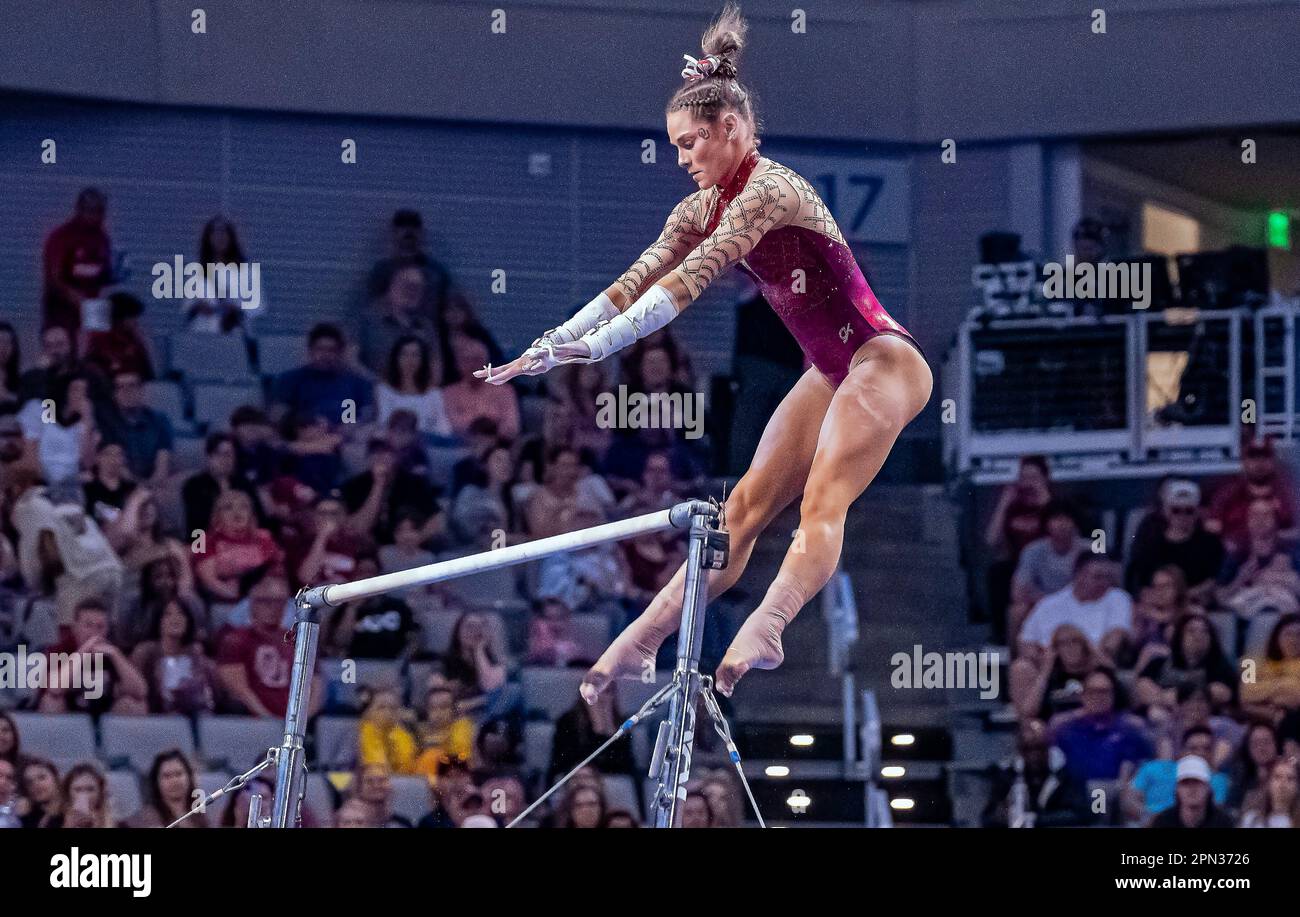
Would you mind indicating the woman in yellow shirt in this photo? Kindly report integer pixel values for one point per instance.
(443, 735)
(1275, 688)
(384, 735)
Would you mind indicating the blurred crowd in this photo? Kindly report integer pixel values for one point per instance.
(380, 452)
(1157, 685)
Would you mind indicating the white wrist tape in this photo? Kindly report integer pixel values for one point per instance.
(600, 309)
(644, 317)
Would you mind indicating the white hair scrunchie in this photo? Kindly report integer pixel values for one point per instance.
(699, 69)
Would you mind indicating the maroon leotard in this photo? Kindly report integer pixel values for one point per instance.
(837, 312)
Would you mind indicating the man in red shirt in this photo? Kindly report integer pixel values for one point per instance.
(255, 663)
(1261, 478)
(76, 261)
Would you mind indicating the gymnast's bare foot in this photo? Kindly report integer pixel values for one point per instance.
(757, 646)
(631, 654)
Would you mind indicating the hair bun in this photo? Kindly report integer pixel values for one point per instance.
(726, 69)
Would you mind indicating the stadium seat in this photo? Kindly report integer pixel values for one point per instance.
(632, 692)
(209, 357)
(539, 738)
(56, 735)
(237, 742)
(137, 740)
(436, 629)
(336, 742)
(411, 797)
(417, 679)
(124, 794)
(168, 398)
(213, 404)
(550, 691)
(277, 353)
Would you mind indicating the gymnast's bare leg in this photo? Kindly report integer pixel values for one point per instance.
(775, 477)
(888, 385)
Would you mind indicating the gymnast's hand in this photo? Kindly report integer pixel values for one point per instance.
(534, 361)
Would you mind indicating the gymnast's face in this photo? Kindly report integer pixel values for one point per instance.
(702, 148)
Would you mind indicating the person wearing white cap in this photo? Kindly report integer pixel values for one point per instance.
(1176, 535)
(1193, 807)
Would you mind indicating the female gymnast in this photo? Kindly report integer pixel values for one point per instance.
(832, 432)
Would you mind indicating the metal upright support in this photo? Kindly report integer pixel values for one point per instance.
(291, 762)
(707, 549)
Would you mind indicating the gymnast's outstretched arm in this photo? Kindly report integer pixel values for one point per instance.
(681, 234)
(766, 202)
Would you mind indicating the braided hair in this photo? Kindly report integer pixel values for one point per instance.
(711, 85)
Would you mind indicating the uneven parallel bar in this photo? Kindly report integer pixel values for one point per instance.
(678, 516)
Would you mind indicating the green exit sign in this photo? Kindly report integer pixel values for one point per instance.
(1279, 229)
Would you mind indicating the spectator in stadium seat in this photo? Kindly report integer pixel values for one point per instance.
(477, 666)
(399, 313)
(583, 806)
(405, 440)
(1100, 741)
(254, 663)
(325, 386)
(13, 452)
(137, 533)
(444, 734)
(1152, 788)
(489, 492)
(42, 793)
(181, 678)
(170, 793)
(1275, 688)
(375, 496)
(566, 483)
(578, 390)
(169, 579)
(122, 690)
(327, 550)
(1193, 806)
(76, 261)
(57, 361)
(581, 729)
(1092, 602)
(373, 785)
(453, 784)
(1175, 535)
(1056, 685)
(220, 473)
(123, 347)
(459, 319)
(471, 397)
(1017, 520)
(257, 460)
(1158, 609)
(235, 814)
(380, 627)
(311, 455)
(353, 814)
(10, 361)
(697, 811)
(590, 579)
(219, 244)
(497, 749)
(1195, 657)
(61, 551)
(62, 441)
(1277, 803)
(110, 484)
(407, 552)
(234, 547)
(1262, 576)
(1261, 478)
(384, 735)
(1046, 564)
(9, 798)
(1255, 756)
(1053, 798)
(145, 434)
(409, 381)
(85, 798)
(407, 246)
(1194, 711)
(550, 640)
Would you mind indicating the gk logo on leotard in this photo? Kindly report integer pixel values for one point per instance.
(844, 333)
